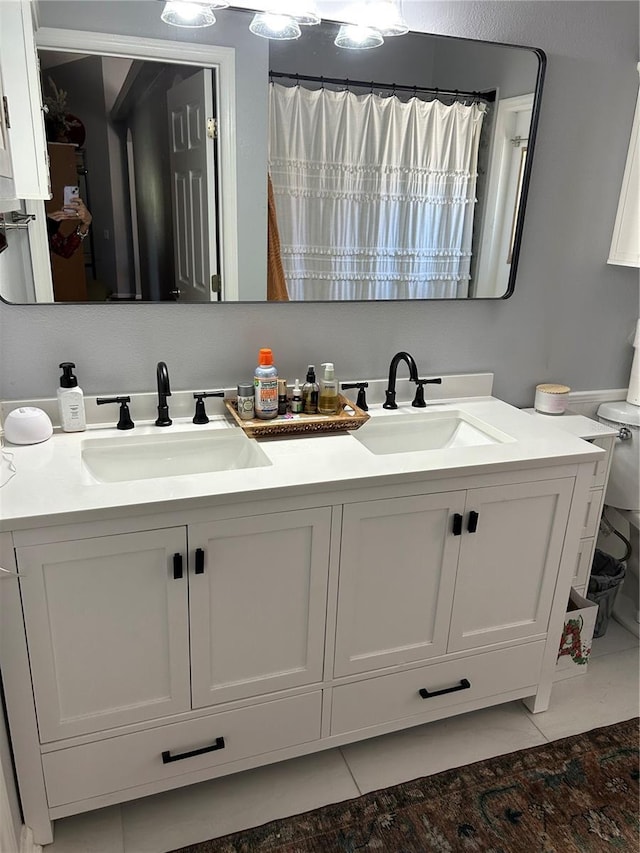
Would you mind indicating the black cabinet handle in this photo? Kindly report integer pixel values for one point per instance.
(177, 566)
(167, 758)
(199, 561)
(457, 524)
(464, 685)
(472, 524)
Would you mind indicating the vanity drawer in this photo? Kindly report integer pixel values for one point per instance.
(592, 514)
(397, 696)
(105, 766)
(583, 562)
(601, 466)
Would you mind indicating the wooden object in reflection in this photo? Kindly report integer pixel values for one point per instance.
(276, 282)
(69, 280)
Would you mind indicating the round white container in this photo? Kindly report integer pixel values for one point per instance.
(551, 399)
(27, 425)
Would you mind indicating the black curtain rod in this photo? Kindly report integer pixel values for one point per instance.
(489, 96)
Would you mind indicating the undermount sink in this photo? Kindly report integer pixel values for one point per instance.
(116, 460)
(429, 431)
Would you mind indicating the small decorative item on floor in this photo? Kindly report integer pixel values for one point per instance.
(575, 795)
(577, 634)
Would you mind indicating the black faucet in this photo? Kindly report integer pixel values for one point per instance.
(124, 421)
(164, 391)
(390, 393)
(361, 401)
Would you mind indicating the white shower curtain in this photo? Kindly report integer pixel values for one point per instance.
(374, 196)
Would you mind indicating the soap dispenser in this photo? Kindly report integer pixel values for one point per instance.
(328, 396)
(70, 400)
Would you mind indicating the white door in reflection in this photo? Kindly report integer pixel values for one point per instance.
(506, 173)
(192, 160)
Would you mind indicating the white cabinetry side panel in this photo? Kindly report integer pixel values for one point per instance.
(108, 632)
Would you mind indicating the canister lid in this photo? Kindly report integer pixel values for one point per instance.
(552, 388)
(620, 412)
(245, 389)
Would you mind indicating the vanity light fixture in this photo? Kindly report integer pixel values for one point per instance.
(271, 25)
(386, 17)
(191, 13)
(303, 12)
(358, 37)
(369, 22)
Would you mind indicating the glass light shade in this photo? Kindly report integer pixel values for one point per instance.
(355, 37)
(385, 16)
(188, 13)
(305, 13)
(274, 26)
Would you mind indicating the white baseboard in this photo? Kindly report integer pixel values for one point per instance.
(587, 402)
(27, 844)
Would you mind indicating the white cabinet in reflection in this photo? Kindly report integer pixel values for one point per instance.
(24, 169)
(625, 243)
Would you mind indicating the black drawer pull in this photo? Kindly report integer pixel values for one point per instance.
(472, 524)
(167, 758)
(199, 561)
(464, 685)
(177, 566)
(457, 524)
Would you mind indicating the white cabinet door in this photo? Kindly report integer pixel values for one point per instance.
(107, 630)
(397, 572)
(29, 163)
(258, 590)
(508, 566)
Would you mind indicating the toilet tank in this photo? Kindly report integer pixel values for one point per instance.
(623, 489)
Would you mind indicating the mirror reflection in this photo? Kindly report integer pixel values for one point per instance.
(394, 173)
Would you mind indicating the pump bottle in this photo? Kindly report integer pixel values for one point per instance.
(70, 401)
(328, 396)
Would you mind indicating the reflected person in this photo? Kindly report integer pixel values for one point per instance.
(66, 245)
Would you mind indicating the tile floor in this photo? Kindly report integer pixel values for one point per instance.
(607, 694)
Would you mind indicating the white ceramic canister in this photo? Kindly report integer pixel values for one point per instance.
(551, 399)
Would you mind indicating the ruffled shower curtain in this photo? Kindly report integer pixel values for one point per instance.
(374, 196)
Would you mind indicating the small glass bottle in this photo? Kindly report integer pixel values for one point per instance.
(296, 398)
(310, 392)
(282, 396)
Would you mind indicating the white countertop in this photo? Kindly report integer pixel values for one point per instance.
(575, 424)
(52, 486)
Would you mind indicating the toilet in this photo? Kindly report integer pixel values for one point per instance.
(623, 494)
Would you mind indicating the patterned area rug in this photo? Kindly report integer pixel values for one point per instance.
(576, 795)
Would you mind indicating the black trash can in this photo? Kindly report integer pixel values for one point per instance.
(607, 574)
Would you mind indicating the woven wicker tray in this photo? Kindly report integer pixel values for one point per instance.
(349, 416)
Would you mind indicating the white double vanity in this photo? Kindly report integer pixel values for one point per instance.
(171, 629)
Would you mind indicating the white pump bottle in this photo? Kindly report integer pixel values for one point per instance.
(70, 401)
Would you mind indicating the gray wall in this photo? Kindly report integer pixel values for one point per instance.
(570, 315)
